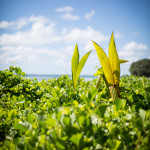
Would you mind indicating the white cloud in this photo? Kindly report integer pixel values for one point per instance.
(42, 45)
(13, 24)
(69, 16)
(88, 46)
(17, 56)
(33, 55)
(6, 24)
(135, 46)
(84, 35)
(132, 52)
(88, 16)
(41, 32)
(64, 9)
(18, 24)
(64, 31)
(126, 54)
(38, 19)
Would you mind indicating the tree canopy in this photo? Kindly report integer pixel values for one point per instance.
(141, 68)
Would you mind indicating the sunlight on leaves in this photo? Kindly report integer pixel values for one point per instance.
(110, 66)
(76, 65)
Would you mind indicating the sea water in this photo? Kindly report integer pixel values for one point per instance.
(40, 77)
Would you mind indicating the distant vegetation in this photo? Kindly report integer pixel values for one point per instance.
(141, 68)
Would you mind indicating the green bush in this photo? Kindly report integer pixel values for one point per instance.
(141, 68)
(50, 115)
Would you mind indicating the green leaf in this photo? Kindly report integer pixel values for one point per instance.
(20, 146)
(92, 93)
(118, 102)
(121, 61)
(139, 123)
(98, 81)
(114, 60)
(81, 64)
(75, 103)
(99, 72)
(66, 121)
(105, 64)
(76, 138)
(147, 89)
(51, 122)
(59, 145)
(81, 120)
(42, 139)
(2, 113)
(30, 118)
(74, 64)
(101, 110)
(20, 127)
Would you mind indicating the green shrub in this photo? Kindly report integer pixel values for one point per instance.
(50, 115)
(141, 68)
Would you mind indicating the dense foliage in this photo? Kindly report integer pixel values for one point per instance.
(50, 115)
(141, 68)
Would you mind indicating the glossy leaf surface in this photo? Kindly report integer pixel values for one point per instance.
(114, 60)
(74, 64)
(81, 64)
(105, 64)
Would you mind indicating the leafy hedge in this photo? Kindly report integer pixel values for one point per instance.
(50, 115)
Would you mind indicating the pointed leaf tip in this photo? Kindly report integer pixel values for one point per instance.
(114, 60)
(122, 61)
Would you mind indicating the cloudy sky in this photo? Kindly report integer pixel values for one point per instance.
(40, 35)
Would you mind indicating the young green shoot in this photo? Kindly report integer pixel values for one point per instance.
(110, 66)
(77, 65)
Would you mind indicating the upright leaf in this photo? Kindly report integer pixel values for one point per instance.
(98, 81)
(81, 64)
(105, 64)
(74, 64)
(100, 74)
(114, 60)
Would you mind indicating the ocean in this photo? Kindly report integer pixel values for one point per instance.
(40, 77)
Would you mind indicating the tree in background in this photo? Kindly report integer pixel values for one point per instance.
(141, 68)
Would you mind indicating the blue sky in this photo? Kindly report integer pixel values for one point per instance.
(40, 36)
